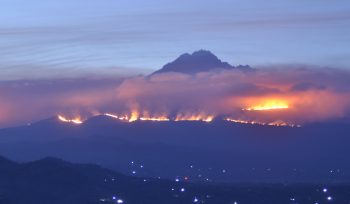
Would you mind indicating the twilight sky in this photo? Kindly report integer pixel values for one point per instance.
(73, 38)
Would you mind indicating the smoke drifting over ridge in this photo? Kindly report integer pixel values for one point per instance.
(311, 94)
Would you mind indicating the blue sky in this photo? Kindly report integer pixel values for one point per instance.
(73, 38)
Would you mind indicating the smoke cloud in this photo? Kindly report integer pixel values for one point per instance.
(312, 94)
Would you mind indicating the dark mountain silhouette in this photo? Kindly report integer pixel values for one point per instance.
(54, 181)
(199, 61)
(167, 149)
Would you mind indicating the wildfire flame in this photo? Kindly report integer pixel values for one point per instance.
(268, 105)
(145, 116)
(135, 116)
(194, 117)
(116, 116)
(76, 120)
(204, 118)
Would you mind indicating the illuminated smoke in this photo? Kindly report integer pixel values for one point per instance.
(279, 96)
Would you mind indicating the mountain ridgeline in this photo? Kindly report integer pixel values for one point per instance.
(199, 61)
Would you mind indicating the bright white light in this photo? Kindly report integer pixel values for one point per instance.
(133, 172)
(325, 190)
(329, 198)
(177, 180)
(195, 200)
(114, 197)
(235, 202)
(182, 189)
(120, 201)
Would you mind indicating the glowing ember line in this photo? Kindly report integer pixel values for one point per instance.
(75, 120)
(155, 119)
(124, 118)
(208, 119)
(111, 115)
(275, 123)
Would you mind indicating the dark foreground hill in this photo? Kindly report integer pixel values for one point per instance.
(51, 181)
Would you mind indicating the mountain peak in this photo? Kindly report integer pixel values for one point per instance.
(203, 52)
(198, 61)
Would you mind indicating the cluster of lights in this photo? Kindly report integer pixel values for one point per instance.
(324, 190)
(201, 199)
(135, 166)
(117, 200)
(329, 198)
(114, 199)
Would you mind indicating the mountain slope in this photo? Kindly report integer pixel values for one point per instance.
(167, 149)
(199, 61)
